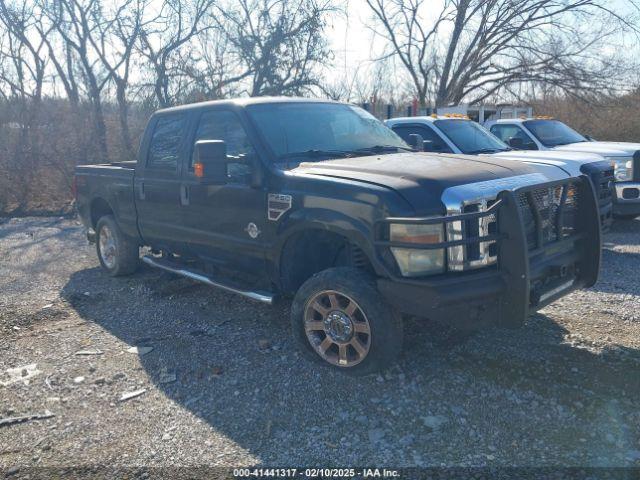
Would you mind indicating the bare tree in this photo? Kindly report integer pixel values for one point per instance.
(278, 43)
(163, 41)
(26, 55)
(75, 22)
(491, 45)
(60, 54)
(114, 41)
(212, 67)
(23, 72)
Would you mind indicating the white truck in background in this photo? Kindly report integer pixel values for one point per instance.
(454, 133)
(543, 134)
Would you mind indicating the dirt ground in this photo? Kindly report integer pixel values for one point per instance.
(216, 379)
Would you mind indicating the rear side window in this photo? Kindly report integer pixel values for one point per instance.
(165, 142)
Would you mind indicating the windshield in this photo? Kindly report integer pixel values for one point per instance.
(316, 130)
(470, 137)
(552, 133)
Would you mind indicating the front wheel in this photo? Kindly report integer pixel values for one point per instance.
(118, 254)
(339, 319)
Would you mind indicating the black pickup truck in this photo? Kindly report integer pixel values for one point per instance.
(318, 200)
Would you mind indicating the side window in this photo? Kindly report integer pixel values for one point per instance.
(225, 125)
(165, 142)
(427, 133)
(505, 132)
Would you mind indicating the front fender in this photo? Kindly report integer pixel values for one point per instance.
(354, 230)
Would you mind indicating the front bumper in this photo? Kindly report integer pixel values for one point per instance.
(627, 198)
(529, 273)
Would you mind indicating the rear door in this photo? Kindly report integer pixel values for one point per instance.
(157, 181)
(225, 224)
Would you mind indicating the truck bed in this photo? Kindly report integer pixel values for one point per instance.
(97, 167)
(112, 186)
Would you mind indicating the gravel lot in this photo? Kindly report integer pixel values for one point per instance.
(223, 384)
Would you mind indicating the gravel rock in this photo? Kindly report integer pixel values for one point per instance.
(498, 397)
(376, 435)
(434, 422)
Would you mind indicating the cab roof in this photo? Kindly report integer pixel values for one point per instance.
(243, 102)
(428, 118)
(521, 119)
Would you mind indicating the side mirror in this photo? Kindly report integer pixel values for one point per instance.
(210, 165)
(589, 137)
(428, 146)
(516, 143)
(416, 142)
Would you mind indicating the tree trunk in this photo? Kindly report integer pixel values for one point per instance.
(461, 15)
(123, 112)
(99, 127)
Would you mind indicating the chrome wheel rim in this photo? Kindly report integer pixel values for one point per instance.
(107, 247)
(337, 328)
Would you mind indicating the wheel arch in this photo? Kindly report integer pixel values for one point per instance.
(98, 208)
(310, 246)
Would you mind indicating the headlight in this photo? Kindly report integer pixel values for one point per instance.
(623, 167)
(415, 262)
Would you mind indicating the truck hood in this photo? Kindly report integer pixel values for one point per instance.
(606, 149)
(570, 162)
(419, 177)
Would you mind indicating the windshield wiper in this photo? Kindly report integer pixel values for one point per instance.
(316, 153)
(568, 143)
(486, 150)
(382, 149)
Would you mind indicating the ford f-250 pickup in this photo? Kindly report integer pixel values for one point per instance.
(320, 201)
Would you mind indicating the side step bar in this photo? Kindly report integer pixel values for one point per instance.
(263, 297)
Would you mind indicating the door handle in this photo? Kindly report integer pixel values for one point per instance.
(184, 194)
(141, 193)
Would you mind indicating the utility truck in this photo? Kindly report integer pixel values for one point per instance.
(548, 134)
(458, 134)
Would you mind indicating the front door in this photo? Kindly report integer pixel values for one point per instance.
(438, 145)
(506, 131)
(225, 224)
(157, 182)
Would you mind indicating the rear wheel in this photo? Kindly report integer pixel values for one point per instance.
(340, 320)
(118, 254)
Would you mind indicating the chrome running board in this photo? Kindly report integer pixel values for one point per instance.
(263, 297)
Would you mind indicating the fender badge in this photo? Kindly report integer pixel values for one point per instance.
(253, 230)
(278, 205)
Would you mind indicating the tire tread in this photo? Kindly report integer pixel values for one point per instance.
(128, 250)
(386, 324)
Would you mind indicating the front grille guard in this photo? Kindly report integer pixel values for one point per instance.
(579, 252)
(381, 228)
(603, 181)
(511, 228)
